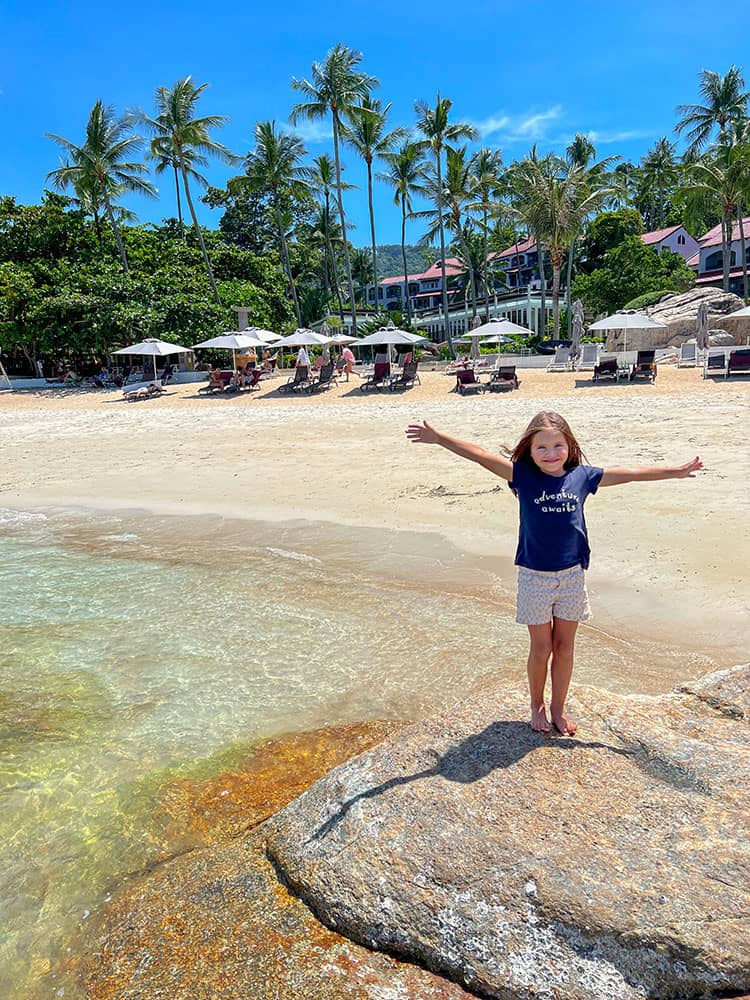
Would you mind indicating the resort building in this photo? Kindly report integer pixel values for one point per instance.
(674, 238)
(708, 260)
(424, 289)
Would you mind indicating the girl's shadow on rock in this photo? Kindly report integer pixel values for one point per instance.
(500, 745)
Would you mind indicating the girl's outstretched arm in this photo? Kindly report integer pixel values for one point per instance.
(651, 473)
(425, 434)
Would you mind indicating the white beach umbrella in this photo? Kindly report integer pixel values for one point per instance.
(740, 313)
(499, 328)
(627, 319)
(153, 348)
(232, 342)
(302, 337)
(391, 336)
(343, 338)
(266, 336)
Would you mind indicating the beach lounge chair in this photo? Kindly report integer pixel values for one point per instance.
(589, 357)
(380, 377)
(226, 379)
(503, 377)
(561, 361)
(326, 378)
(738, 362)
(715, 364)
(407, 378)
(142, 390)
(606, 368)
(467, 381)
(688, 355)
(253, 378)
(300, 380)
(644, 367)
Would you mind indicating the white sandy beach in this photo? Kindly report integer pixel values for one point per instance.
(670, 560)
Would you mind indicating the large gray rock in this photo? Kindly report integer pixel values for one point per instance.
(615, 864)
(679, 312)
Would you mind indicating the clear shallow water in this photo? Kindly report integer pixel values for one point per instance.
(133, 646)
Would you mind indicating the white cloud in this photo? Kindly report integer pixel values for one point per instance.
(312, 131)
(518, 128)
(488, 126)
(622, 136)
(535, 126)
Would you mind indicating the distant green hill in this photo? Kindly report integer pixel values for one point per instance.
(390, 263)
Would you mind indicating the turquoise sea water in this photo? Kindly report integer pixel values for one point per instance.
(133, 646)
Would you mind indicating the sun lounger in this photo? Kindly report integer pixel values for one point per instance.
(606, 368)
(644, 367)
(300, 380)
(326, 378)
(503, 377)
(738, 362)
(561, 360)
(467, 381)
(380, 377)
(688, 355)
(715, 364)
(142, 390)
(407, 378)
(226, 379)
(589, 357)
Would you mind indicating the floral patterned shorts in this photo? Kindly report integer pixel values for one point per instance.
(543, 596)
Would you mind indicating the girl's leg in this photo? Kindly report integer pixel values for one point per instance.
(563, 640)
(539, 654)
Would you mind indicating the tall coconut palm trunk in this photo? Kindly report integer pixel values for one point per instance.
(543, 289)
(470, 266)
(726, 248)
(287, 262)
(340, 202)
(199, 234)
(403, 258)
(372, 233)
(557, 258)
(743, 251)
(568, 283)
(486, 274)
(179, 202)
(116, 230)
(443, 273)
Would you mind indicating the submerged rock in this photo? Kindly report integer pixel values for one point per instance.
(614, 864)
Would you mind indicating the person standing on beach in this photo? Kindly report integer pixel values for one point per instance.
(347, 356)
(546, 472)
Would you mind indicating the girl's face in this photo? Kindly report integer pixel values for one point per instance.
(549, 451)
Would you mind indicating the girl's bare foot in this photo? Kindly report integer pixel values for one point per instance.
(564, 726)
(539, 721)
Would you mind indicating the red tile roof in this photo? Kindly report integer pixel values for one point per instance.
(735, 272)
(713, 237)
(657, 235)
(523, 247)
(433, 273)
(693, 261)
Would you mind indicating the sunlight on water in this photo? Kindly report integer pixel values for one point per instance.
(130, 649)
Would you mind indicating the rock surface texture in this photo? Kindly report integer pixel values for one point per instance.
(680, 312)
(614, 864)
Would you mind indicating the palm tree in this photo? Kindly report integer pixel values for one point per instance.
(362, 269)
(555, 199)
(454, 198)
(166, 159)
(336, 86)
(726, 102)
(486, 167)
(406, 176)
(660, 172)
(720, 178)
(437, 130)
(366, 133)
(99, 169)
(179, 133)
(322, 180)
(275, 168)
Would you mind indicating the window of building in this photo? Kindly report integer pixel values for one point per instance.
(681, 240)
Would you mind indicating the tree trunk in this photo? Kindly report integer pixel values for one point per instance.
(543, 290)
(287, 263)
(470, 266)
(557, 260)
(743, 251)
(334, 269)
(486, 272)
(179, 203)
(661, 206)
(568, 281)
(372, 235)
(444, 289)
(726, 248)
(206, 261)
(340, 200)
(116, 231)
(403, 257)
(97, 226)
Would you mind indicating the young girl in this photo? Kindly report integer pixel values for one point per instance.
(547, 474)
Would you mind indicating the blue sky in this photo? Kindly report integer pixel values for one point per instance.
(522, 73)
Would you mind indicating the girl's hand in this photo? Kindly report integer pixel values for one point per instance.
(421, 433)
(688, 470)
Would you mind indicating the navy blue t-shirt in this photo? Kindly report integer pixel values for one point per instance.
(552, 533)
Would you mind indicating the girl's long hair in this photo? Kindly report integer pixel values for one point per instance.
(546, 421)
